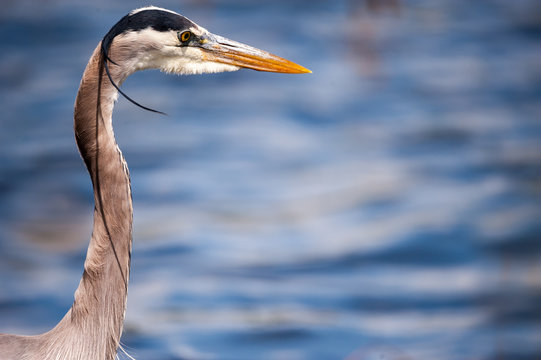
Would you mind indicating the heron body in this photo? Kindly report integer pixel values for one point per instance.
(145, 38)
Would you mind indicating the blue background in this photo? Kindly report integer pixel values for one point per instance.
(385, 206)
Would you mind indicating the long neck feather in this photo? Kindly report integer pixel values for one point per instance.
(98, 311)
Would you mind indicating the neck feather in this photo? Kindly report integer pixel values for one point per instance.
(98, 311)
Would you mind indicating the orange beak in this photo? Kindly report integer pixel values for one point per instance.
(225, 51)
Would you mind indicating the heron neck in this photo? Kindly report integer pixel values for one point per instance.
(100, 299)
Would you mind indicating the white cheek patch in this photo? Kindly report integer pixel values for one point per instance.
(151, 49)
(185, 66)
(207, 67)
(190, 60)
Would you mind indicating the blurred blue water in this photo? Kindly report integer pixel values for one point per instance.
(385, 206)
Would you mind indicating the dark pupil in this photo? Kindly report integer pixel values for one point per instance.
(185, 36)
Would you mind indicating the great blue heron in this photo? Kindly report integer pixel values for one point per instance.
(146, 38)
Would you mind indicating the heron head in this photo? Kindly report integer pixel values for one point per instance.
(158, 38)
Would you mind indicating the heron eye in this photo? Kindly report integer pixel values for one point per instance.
(185, 36)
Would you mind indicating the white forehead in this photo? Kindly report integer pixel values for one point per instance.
(133, 12)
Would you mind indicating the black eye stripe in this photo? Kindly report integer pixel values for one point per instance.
(156, 19)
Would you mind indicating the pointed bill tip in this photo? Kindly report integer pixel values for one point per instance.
(298, 69)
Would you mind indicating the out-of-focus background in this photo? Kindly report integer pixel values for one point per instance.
(386, 206)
